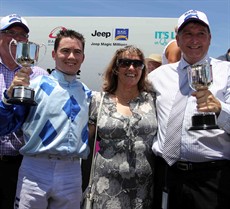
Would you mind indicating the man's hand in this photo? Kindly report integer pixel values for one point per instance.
(21, 78)
(206, 102)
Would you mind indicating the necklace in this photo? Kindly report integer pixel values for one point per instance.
(122, 100)
(125, 100)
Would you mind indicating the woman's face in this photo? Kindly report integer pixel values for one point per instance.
(130, 68)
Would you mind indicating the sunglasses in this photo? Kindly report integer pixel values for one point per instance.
(126, 63)
(14, 33)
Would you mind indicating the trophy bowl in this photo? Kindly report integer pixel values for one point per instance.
(201, 75)
(27, 54)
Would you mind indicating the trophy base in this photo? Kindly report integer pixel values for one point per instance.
(22, 95)
(22, 101)
(204, 121)
(204, 127)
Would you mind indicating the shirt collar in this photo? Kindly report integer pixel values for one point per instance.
(61, 76)
(183, 64)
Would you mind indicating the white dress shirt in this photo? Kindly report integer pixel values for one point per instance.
(196, 145)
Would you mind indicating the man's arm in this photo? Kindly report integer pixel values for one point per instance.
(86, 163)
(11, 117)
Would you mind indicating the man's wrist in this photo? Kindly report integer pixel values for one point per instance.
(5, 98)
(5, 94)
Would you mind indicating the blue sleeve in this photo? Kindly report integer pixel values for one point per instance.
(11, 117)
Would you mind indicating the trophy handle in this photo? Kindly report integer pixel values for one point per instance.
(27, 53)
(45, 50)
(13, 41)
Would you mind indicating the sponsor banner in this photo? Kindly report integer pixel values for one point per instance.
(104, 35)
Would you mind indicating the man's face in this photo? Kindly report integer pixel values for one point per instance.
(6, 36)
(69, 56)
(194, 41)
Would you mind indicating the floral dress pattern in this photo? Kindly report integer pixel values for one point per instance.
(123, 175)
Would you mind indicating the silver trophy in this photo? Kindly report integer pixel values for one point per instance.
(201, 75)
(27, 54)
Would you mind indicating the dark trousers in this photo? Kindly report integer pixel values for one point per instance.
(202, 187)
(8, 181)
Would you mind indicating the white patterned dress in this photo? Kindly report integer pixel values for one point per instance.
(123, 176)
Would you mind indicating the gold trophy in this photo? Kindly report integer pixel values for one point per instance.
(201, 75)
(26, 56)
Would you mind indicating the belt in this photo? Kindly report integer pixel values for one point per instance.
(190, 166)
(10, 158)
(56, 157)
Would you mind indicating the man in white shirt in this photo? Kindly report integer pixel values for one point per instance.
(198, 177)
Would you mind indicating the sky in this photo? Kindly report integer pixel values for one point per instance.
(217, 11)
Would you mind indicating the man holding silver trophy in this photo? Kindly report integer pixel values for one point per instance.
(192, 146)
(13, 27)
(55, 131)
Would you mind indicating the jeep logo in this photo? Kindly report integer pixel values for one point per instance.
(101, 34)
